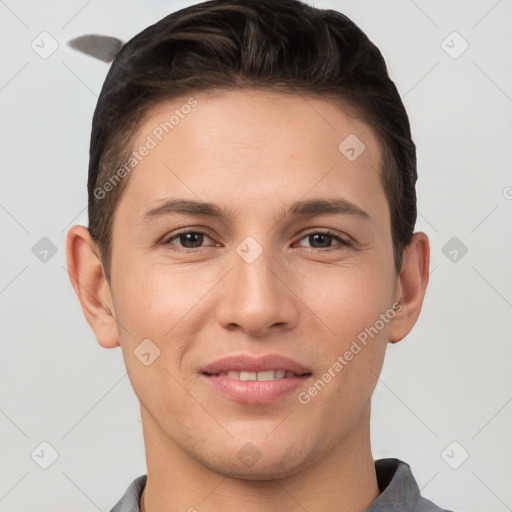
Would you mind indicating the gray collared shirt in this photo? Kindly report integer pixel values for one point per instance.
(399, 491)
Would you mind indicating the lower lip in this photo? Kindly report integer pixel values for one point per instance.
(255, 392)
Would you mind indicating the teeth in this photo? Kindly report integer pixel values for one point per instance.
(260, 376)
(248, 376)
(267, 375)
(280, 374)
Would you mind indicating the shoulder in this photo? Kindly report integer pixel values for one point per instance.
(399, 490)
(131, 498)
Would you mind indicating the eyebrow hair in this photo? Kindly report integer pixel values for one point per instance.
(309, 208)
(313, 207)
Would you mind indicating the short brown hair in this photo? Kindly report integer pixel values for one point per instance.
(277, 45)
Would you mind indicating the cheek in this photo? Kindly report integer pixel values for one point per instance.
(354, 308)
(348, 299)
(155, 303)
(161, 302)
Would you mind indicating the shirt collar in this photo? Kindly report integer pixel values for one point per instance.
(398, 488)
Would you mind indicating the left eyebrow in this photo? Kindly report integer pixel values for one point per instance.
(314, 207)
(309, 208)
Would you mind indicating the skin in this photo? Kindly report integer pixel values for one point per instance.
(252, 153)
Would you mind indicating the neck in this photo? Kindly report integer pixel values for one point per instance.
(341, 480)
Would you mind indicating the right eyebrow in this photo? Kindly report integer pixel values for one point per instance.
(185, 207)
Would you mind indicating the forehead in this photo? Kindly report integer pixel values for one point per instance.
(252, 148)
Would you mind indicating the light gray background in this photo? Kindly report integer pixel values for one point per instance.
(450, 380)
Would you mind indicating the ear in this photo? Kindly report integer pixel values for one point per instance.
(411, 286)
(89, 282)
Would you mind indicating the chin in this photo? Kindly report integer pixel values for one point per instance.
(249, 463)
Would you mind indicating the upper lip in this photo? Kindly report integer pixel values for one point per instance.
(244, 362)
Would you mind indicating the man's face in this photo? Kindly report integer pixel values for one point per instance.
(307, 295)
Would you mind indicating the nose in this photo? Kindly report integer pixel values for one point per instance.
(256, 297)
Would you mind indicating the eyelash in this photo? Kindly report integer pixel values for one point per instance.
(342, 242)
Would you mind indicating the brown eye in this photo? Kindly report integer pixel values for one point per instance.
(188, 239)
(324, 240)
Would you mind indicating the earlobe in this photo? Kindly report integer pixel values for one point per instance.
(88, 280)
(412, 285)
